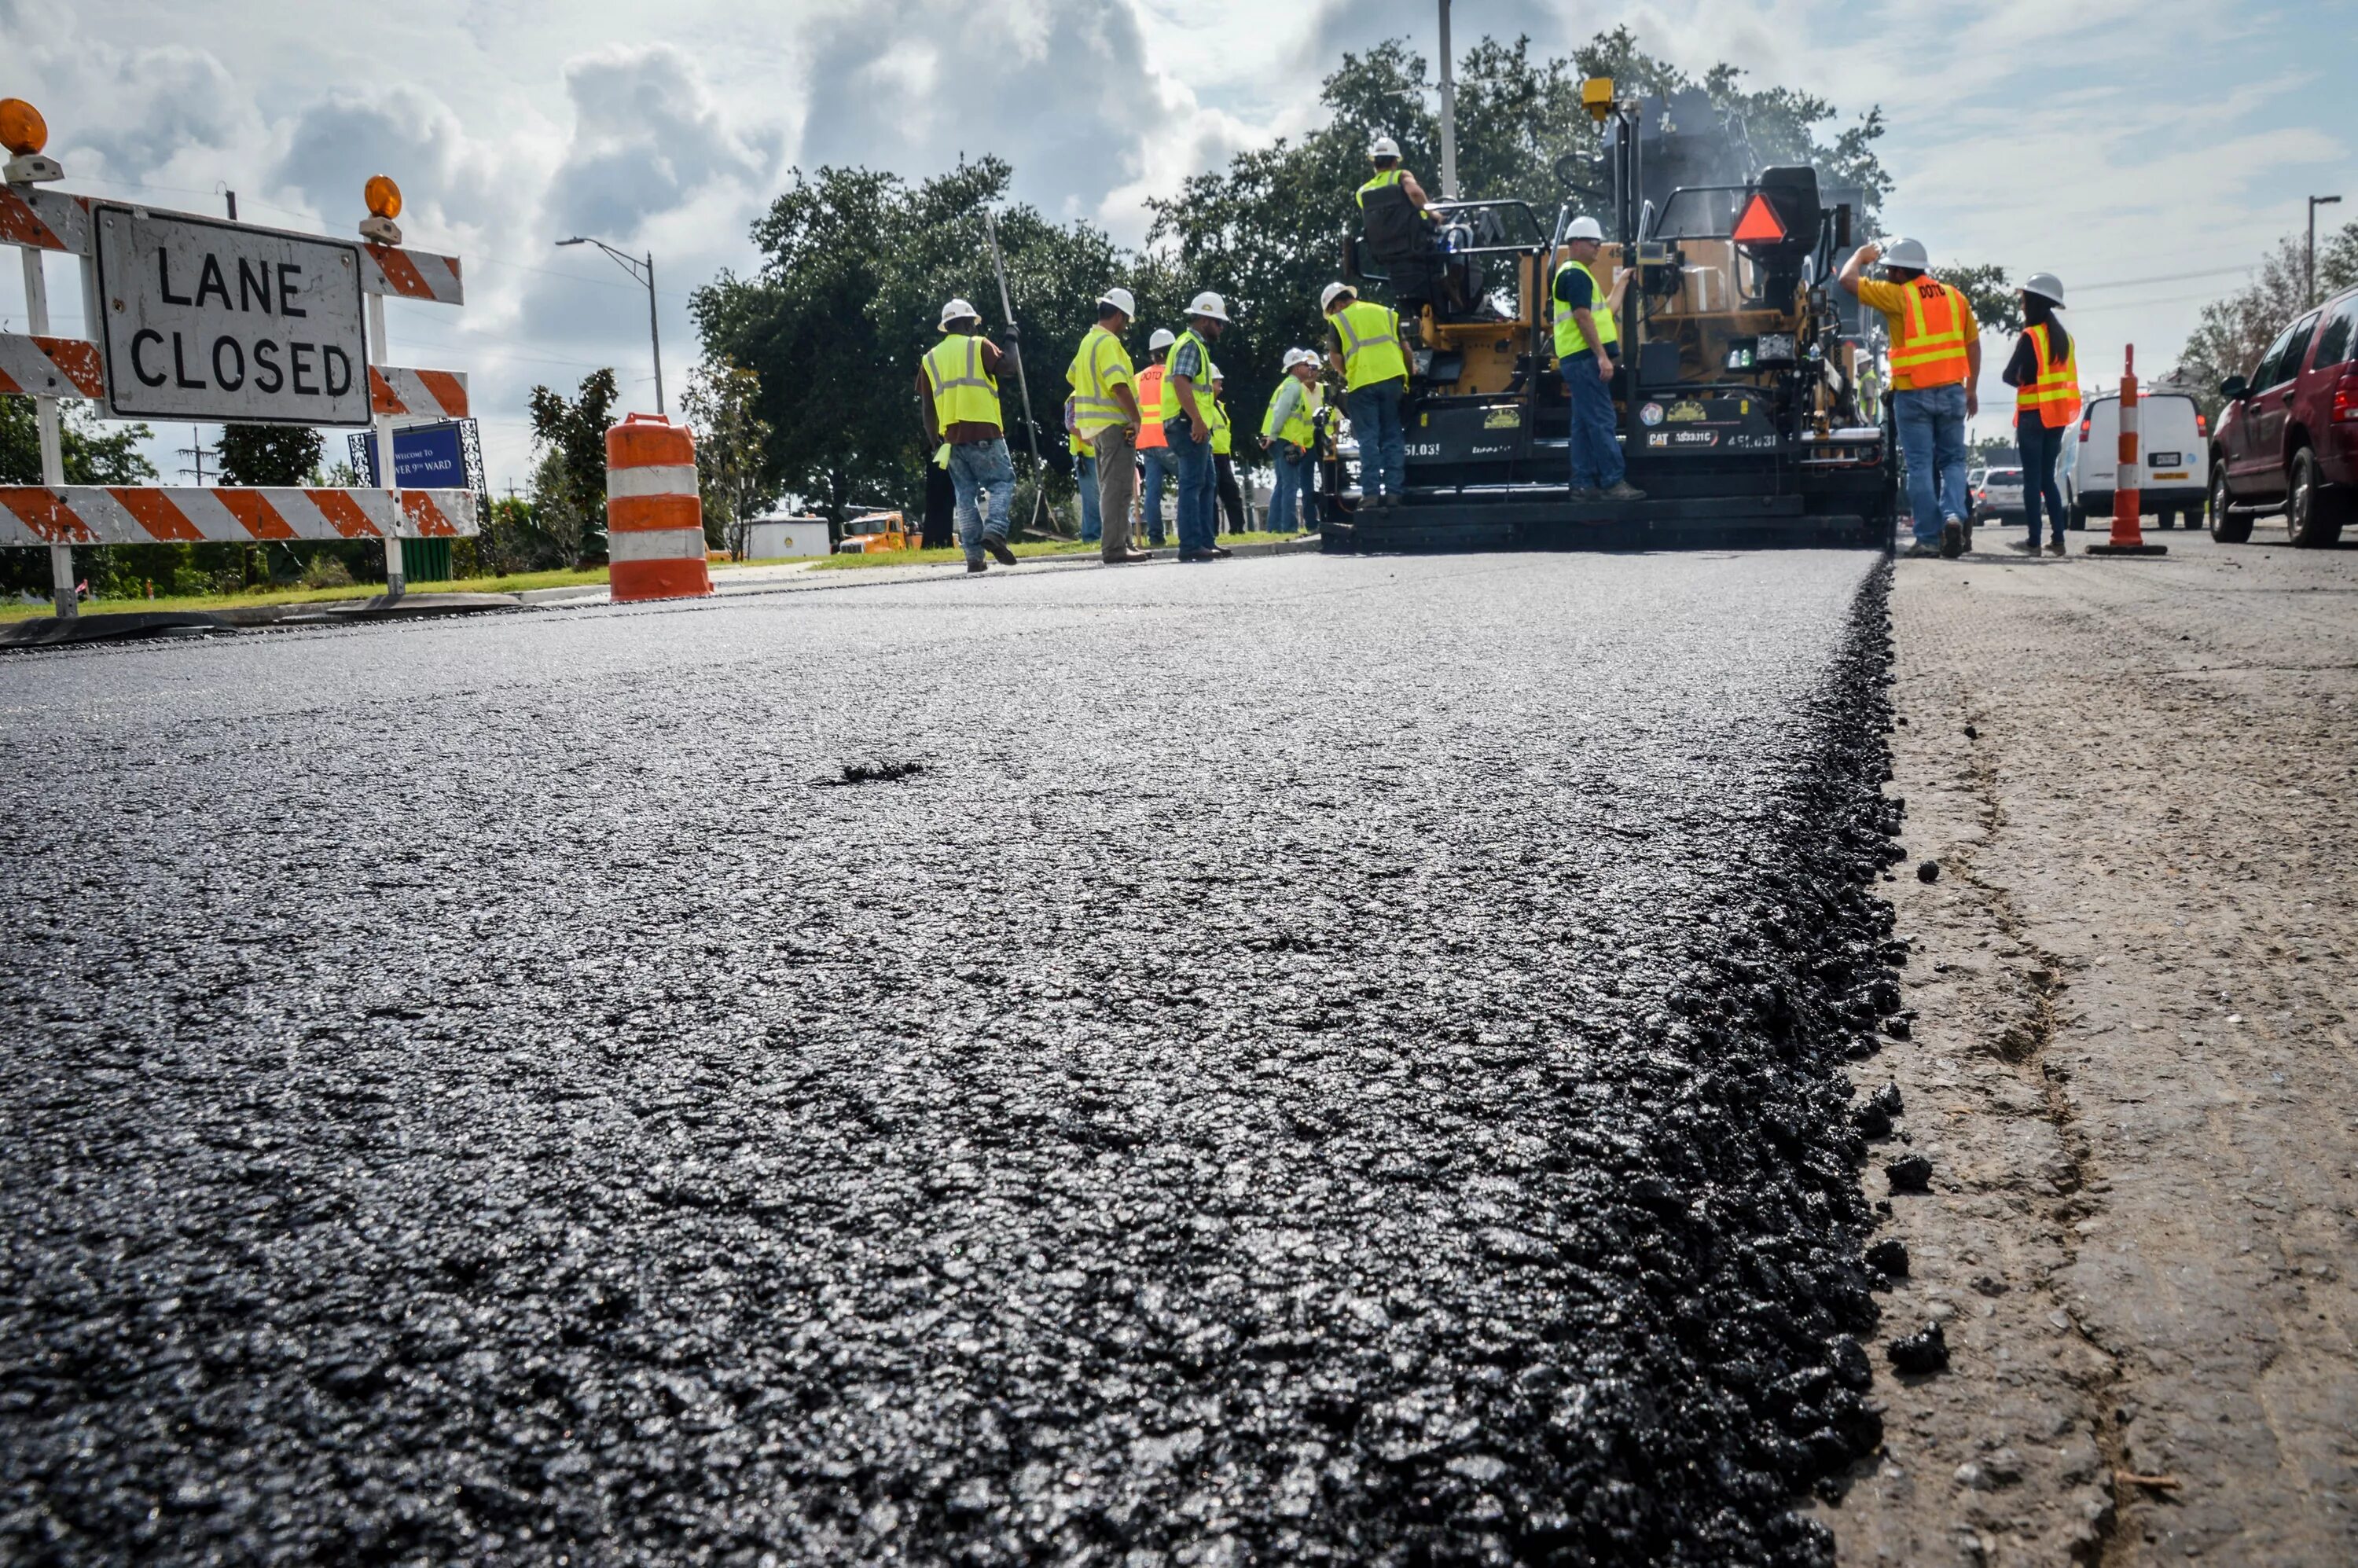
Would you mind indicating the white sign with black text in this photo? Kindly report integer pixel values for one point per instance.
(221, 321)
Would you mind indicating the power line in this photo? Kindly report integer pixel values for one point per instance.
(2163, 277)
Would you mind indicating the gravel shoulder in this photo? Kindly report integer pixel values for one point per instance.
(2131, 1064)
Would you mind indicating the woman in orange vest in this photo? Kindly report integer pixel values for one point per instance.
(2045, 376)
(1155, 463)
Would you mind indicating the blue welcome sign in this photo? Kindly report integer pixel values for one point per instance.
(424, 457)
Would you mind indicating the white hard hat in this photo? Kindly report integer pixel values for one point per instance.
(1906, 252)
(1295, 356)
(960, 310)
(2046, 284)
(1163, 338)
(1120, 299)
(1216, 375)
(1208, 304)
(1328, 295)
(1584, 228)
(1384, 147)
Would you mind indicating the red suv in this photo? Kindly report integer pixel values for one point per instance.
(2289, 436)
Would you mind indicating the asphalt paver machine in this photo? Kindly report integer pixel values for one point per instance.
(1739, 399)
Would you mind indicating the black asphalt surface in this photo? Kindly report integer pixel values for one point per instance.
(1309, 1060)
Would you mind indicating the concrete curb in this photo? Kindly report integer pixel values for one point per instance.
(52, 633)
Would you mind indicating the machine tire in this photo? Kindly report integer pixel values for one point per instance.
(2313, 514)
(2225, 525)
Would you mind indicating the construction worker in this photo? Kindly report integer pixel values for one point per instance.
(959, 380)
(1936, 359)
(1365, 349)
(1224, 467)
(1154, 449)
(1187, 425)
(1587, 329)
(1288, 434)
(2045, 376)
(1398, 229)
(1106, 419)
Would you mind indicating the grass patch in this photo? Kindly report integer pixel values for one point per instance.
(515, 582)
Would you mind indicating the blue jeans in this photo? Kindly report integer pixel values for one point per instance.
(1383, 451)
(1289, 495)
(981, 471)
(1159, 465)
(1197, 519)
(1933, 433)
(2039, 448)
(1084, 475)
(1594, 442)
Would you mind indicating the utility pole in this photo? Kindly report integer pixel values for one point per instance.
(197, 452)
(2309, 265)
(641, 269)
(1448, 112)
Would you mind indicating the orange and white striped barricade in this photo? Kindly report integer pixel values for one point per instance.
(654, 518)
(139, 360)
(2128, 479)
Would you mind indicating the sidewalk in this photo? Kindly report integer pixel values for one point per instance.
(2131, 1065)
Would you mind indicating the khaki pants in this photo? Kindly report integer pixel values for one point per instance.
(1117, 455)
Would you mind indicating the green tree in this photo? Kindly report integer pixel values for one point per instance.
(2233, 332)
(93, 453)
(732, 459)
(857, 263)
(268, 454)
(2337, 261)
(569, 485)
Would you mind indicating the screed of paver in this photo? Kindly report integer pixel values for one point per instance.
(1323, 1061)
(2131, 1064)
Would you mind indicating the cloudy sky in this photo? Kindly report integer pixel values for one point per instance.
(2145, 150)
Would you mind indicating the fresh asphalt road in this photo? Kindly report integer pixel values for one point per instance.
(511, 1089)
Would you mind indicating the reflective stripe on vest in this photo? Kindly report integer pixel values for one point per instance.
(1934, 353)
(964, 392)
(1569, 339)
(2056, 392)
(1170, 404)
(1101, 365)
(1298, 427)
(1371, 345)
(1383, 177)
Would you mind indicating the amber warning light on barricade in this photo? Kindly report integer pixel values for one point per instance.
(383, 196)
(22, 130)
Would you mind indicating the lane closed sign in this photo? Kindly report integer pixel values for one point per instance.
(219, 321)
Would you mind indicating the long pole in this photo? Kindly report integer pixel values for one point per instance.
(1448, 112)
(654, 332)
(1014, 335)
(45, 413)
(2308, 264)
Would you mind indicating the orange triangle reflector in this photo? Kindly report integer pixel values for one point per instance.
(1759, 224)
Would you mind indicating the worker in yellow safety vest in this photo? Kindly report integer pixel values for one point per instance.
(1364, 347)
(2045, 376)
(1288, 433)
(1187, 425)
(1107, 422)
(1936, 360)
(957, 383)
(1588, 330)
(1399, 229)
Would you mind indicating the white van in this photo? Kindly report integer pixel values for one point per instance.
(2174, 439)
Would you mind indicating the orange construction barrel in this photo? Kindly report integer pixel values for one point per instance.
(654, 520)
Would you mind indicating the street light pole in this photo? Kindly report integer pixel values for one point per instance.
(642, 270)
(2309, 265)
(1448, 112)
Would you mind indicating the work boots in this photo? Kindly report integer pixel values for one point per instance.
(1622, 490)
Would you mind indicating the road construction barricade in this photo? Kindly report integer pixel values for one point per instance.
(654, 518)
(215, 322)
